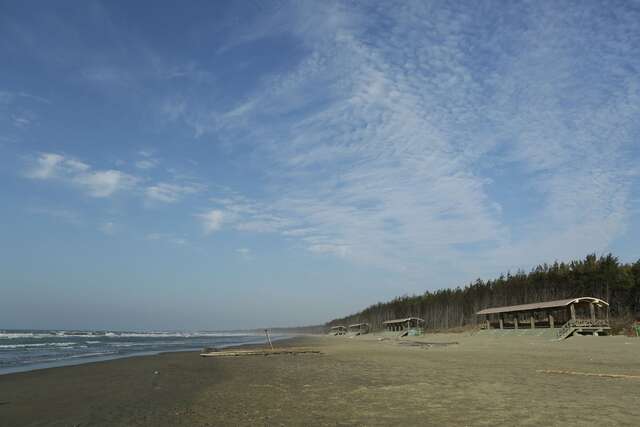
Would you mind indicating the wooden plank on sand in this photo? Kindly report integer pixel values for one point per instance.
(266, 352)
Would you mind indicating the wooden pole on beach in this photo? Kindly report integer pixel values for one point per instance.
(266, 331)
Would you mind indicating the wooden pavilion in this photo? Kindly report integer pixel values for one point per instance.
(406, 326)
(358, 329)
(584, 315)
(337, 330)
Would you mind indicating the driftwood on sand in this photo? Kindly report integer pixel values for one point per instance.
(589, 374)
(426, 344)
(267, 352)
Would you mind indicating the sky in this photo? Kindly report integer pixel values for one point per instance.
(222, 165)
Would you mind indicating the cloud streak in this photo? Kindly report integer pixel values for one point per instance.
(95, 183)
(170, 193)
(211, 220)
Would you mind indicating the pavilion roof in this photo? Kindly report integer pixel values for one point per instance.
(402, 320)
(541, 305)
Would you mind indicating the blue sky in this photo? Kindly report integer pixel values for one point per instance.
(215, 165)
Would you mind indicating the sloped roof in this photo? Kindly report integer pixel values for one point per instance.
(541, 305)
(338, 327)
(403, 320)
(358, 325)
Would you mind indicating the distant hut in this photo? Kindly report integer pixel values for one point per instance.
(358, 329)
(584, 315)
(337, 330)
(404, 327)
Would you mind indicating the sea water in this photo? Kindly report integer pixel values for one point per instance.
(24, 350)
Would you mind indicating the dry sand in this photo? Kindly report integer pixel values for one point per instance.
(483, 380)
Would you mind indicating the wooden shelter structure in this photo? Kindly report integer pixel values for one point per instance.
(406, 326)
(358, 329)
(337, 330)
(583, 315)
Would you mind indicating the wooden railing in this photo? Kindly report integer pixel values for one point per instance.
(588, 323)
(581, 323)
(565, 328)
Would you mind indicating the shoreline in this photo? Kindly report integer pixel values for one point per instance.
(100, 359)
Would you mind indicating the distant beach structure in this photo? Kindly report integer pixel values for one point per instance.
(337, 330)
(408, 326)
(583, 315)
(358, 329)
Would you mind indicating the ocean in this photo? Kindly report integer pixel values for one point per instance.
(24, 350)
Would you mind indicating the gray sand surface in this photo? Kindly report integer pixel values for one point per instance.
(483, 380)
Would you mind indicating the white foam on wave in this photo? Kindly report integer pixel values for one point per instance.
(42, 344)
(18, 335)
(116, 334)
(102, 353)
(174, 334)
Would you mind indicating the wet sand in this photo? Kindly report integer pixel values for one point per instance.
(483, 380)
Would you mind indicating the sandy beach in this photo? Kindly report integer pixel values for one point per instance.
(481, 380)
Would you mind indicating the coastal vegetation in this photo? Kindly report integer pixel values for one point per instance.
(602, 277)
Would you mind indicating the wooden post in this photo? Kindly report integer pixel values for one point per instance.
(266, 331)
(488, 324)
(551, 324)
(573, 312)
(533, 322)
(592, 308)
(515, 322)
(501, 322)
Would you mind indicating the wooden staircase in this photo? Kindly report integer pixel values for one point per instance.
(566, 330)
(582, 326)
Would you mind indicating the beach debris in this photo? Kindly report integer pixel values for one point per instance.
(427, 344)
(268, 352)
(588, 374)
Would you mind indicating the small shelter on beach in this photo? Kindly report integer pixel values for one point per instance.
(406, 326)
(583, 315)
(337, 330)
(359, 329)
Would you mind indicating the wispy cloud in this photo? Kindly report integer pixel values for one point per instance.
(170, 193)
(211, 220)
(148, 161)
(20, 110)
(246, 215)
(96, 183)
(146, 164)
(104, 183)
(46, 166)
(106, 75)
(167, 237)
(108, 228)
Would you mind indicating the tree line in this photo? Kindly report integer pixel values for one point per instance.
(602, 277)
